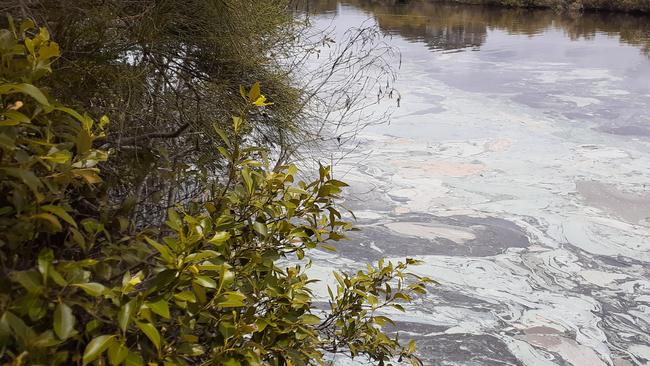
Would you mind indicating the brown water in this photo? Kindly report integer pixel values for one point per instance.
(517, 167)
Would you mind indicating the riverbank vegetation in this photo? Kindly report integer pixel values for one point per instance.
(570, 5)
(451, 25)
(148, 212)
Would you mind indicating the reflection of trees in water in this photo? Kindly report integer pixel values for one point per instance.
(316, 6)
(440, 27)
(452, 26)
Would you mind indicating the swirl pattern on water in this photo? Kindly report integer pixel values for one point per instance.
(516, 167)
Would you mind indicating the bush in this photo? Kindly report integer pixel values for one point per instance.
(80, 286)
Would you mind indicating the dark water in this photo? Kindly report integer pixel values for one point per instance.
(517, 167)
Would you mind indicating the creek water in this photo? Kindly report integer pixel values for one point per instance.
(517, 167)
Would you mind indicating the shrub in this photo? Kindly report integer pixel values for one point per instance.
(80, 286)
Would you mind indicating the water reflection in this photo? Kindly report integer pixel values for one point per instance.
(518, 173)
(443, 26)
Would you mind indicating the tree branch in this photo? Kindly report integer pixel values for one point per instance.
(149, 136)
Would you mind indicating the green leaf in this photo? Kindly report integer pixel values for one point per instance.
(71, 112)
(174, 221)
(328, 247)
(310, 319)
(248, 181)
(231, 362)
(51, 219)
(49, 51)
(30, 280)
(186, 296)
(254, 93)
(125, 315)
(56, 276)
(205, 281)
(26, 25)
(117, 353)
(45, 258)
(15, 117)
(103, 121)
(162, 280)
(411, 346)
(91, 288)
(225, 153)
(133, 359)
(64, 321)
(381, 320)
(232, 299)
(227, 277)
(61, 213)
(223, 136)
(45, 339)
(32, 91)
(260, 228)
(59, 157)
(151, 332)
(83, 141)
(90, 175)
(372, 300)
(261, 101)
(96, 347)
(164, 251)
(160, 307)
(236, 123)
(18, 326)
(7, 143)
(27, 176)
(219, 238)
(293, 189)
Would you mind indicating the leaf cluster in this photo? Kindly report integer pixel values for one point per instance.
(80, 286)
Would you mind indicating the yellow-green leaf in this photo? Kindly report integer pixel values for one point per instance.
(310, 319)
(59, 157)
(32, 91)
(160, 307)
(164, 251)
(254, 93)
(64, 321)
(15, 117)
(232, 299)
(219, 238)
(133, 359)
(125, 315)
(96, 347)
(205, 281)
(260, 228)
(90, 175)
(231, 362)
(117, 353)
(91, 288)
(151, 332)
(30, 280)
(186, 296)
(61, 213)
(51, 219)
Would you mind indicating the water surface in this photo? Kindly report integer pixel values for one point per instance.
(517, 167)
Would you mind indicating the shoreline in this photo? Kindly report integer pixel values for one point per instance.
(618, 6)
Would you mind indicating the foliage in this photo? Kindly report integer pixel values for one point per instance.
(572, 5)
(80, 286)
(47, 154)
(165, 72)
